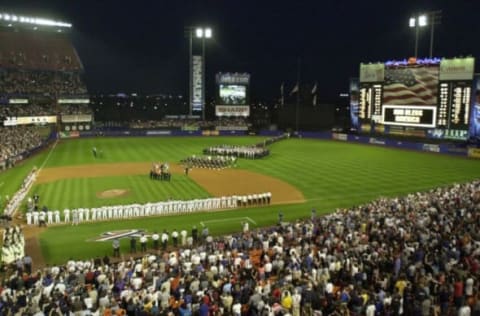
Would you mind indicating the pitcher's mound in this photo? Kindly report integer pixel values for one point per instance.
(112, 193)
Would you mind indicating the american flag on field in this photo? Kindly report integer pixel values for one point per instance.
(411, 86)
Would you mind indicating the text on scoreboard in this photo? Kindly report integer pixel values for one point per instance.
(409, 115)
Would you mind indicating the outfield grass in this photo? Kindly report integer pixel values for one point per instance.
(330, 175)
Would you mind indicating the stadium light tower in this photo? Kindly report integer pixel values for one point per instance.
(203, 33)
(200, 33)
(417, 22)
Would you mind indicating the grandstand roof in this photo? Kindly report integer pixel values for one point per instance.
(14, 20)
(30, 49)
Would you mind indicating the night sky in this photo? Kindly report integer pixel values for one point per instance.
(140, 46)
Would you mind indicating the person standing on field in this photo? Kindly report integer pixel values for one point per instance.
(116, 247)
(143, 243)
(155, 238)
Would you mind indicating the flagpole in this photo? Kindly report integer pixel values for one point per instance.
(298, 94)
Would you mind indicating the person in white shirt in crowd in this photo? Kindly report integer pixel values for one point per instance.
(183, 235)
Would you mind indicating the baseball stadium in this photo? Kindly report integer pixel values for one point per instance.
(80, 183)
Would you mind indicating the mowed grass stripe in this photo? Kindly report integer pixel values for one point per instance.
(147, 189)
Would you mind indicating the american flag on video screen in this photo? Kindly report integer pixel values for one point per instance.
(411, 86)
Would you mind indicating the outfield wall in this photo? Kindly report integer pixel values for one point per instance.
(451, 149)
(149, 133)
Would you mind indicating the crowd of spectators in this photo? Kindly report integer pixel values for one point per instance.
(164, 123)
(413, 255)
(178, 123)
(19, 110)
(16, 140)
(13, 245)
(75, 109)
(38, 50)
(15, 82)
(225, 123)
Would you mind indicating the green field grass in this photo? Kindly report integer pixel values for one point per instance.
(330, 175)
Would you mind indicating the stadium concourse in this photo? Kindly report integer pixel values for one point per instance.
(412, 255)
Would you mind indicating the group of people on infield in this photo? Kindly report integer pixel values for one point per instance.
(78, 215)
(160, 171)
(248, 152)
(209, 162)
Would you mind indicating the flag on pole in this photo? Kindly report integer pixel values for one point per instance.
(282, 96)
(314, 93)
(294, 90)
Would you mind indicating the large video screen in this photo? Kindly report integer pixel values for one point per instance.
(414, 85)
(233, 94)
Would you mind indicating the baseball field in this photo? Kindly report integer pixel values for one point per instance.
(301, 174)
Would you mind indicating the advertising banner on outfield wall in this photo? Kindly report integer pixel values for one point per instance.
(340, 136)
(453, 134)
(457, 69)
(69, 134)
(372, 72)
(474, 152)
(197, 83)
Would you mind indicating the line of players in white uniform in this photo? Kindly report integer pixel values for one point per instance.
(17, 198)
(76, 216)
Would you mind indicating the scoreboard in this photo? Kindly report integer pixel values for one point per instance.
(416, 94)
(232, 94)
(460, 105)
(370, 104)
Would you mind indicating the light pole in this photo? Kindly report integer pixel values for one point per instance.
(203, 33)
(190, 75)
(435, 18)
(417, 22)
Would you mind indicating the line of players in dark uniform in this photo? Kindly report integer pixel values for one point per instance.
(209, 162)
(248, 152)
